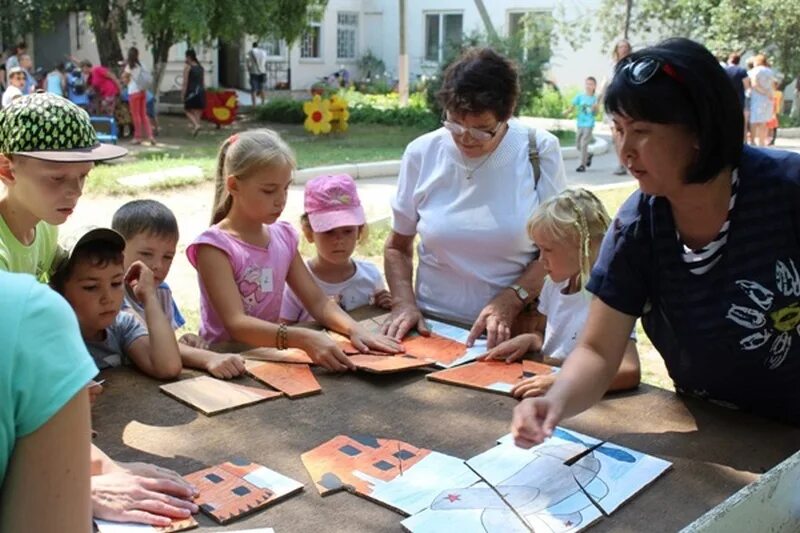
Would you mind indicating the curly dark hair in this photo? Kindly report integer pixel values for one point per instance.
(480, 80)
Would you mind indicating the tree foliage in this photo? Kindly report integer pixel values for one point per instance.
(769, 26)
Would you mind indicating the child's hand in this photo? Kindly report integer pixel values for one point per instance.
(193, 340)
(95, 390)
(365, 341)
(323, 350)
(383, 299)
(533, 387)
(140, 279)
(226, 366)
(513, 349)
(534, 420)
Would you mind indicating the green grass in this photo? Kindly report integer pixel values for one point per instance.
(361, 143)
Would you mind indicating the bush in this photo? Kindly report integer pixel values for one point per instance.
(281, 110)
(364, 109)
(552, 103)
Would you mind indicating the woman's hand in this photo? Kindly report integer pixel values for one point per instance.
(366, 341)
(403, 319)
(534, 420)
(513, 349)
(533, 387)
(155, 497)
(496, 319)
(323, 350)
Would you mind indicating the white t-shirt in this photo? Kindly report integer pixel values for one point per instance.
(473, 238)
(257, 63)
(133, 87)
(566, 316)
(354, 292)
(10, 93)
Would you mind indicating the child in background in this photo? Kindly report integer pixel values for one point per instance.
(777, 107)
(586, 104)
(151, 236)
(92, 280)
(246, 257)
(43, 176)
(334, 221)
(16, 82)
(568, 230)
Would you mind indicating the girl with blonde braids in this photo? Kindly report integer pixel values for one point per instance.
(567, 229)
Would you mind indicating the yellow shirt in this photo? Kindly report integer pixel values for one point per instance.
(36, 258)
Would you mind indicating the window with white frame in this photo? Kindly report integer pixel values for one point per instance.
(443, 31)
(273, 46)
(311, 42)
(346, 35)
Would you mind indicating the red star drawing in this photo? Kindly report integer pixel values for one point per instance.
(453, 497)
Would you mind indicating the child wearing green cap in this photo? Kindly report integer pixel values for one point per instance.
(47, 148)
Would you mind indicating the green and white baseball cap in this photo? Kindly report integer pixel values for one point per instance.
(51, 128)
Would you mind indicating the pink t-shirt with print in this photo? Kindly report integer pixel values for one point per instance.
(260, 275)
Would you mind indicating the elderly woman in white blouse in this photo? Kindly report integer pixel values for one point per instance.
(468, 189)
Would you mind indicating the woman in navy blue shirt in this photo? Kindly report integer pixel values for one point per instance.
(706, 252)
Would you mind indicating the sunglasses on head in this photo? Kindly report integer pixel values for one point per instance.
(641, 70)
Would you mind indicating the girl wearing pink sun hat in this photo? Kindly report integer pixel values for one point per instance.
(334, 221)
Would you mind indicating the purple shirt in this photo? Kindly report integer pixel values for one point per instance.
(259, 273)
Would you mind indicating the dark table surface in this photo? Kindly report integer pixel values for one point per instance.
(714, 451)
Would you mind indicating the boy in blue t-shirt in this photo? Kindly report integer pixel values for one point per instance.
(586, 104)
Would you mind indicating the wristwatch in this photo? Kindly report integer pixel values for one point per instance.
(520, 291)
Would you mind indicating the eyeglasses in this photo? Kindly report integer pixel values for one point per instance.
(479, 135)
(641, 70)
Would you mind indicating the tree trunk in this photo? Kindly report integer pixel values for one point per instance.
(628, 9)
(161, 45)
(487, 21)
(106, 33)
(402, 65)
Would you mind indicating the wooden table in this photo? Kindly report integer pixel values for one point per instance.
(715, 451)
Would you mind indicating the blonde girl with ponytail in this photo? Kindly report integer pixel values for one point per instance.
(568, 230)
(246, 258)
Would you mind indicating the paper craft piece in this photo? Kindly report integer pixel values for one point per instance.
(104, 526)
(543, 489)
(390, 472)
(446, 347)
(387, 364)
(234, 489)
(294, 380)
(289, 355)
(212, 396)
(493, 376)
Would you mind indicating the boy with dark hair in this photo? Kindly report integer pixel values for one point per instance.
(586, 104)
(47, 148)
(151, 234)
(93, 281)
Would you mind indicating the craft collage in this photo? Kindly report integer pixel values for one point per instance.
(563, 485)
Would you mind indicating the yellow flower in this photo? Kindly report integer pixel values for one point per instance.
(340, 112)
(318, 115)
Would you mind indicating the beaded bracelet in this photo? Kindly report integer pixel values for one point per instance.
(282, 337)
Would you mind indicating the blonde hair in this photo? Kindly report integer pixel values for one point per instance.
(241, 154)
(760, 61)
(575, 214)
(615, 51)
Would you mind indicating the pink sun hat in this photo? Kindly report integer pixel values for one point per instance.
(332, 202)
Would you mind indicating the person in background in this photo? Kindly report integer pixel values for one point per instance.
(586, 105)
(56, 81)
(26, 63)
(774, 121)
(16, 82)
(622, 49)
(13, 60)
(761, 99)
(137, 98)
(257, 69)
(105, 88)
(193, 90)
